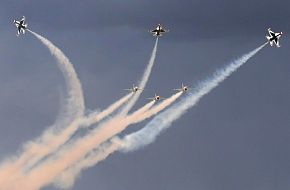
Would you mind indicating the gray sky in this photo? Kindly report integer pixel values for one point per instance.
(237, 137)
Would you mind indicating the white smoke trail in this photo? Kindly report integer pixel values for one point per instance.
(93, 118)
(65, 135)
(72, 82)
(161, 122)
(47, 171)
(42, 146)
(143, 81)
(61, 138)
(133, 100)
(164, 120)
(74, 108)
(67, 178)
(143, 109)
(155, 110)
(96, 116)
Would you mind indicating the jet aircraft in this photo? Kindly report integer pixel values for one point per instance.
(158, 31)
(134, 89)
(183, 88)
(21, 26)
(274, 38)
(156, 98)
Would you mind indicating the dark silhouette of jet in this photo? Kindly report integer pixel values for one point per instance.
(274, 38)
(21, 26)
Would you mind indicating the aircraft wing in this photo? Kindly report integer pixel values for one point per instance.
(154, 30)
(128, 89)
(22, 20)
(277, 42)
(272, 33)
(278, 35)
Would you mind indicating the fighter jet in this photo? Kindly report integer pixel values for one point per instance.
(21, 26)
(274, 37)
(158, 31)
(156, 98)
(182, 89)
(134, 89)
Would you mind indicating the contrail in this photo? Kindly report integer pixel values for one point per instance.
(63, 136)
(164, 120)
(143, 81)
(96, 117)
(67, 133)
(155, 110)
(43, 147)
(88, 161)
(67, 177)
(72, 82)
(161, 122)
(143, 109)
(93, 118)
(74, 108)
(46, 173)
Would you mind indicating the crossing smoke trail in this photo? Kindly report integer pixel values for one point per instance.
(68, 132)
(164, 120)
(158, 124)
(46, 173)
(66, 178)
(51, 140)
(63, 136)
(74, 108)
(143, 81)
(95, 117)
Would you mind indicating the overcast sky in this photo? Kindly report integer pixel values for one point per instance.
(237, 137)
